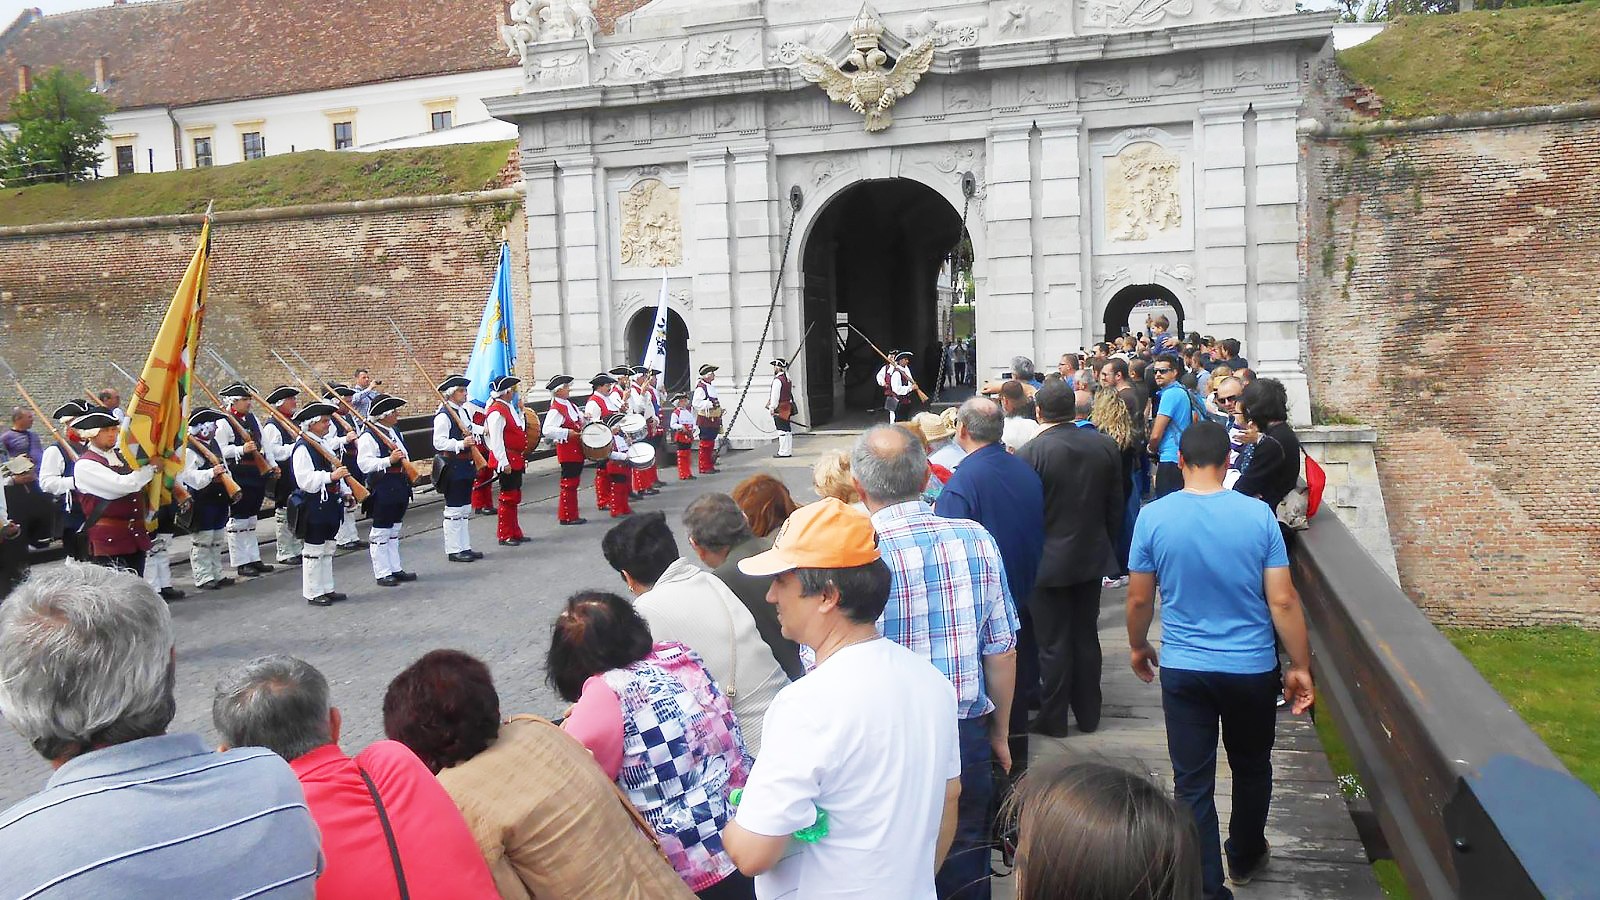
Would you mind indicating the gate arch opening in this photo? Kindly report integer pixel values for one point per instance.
(676, 378)
(872, 261)
(1127, 309)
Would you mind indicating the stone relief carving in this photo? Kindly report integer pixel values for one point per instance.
(617, 128)
(652, 227)
(1180, 273)
(631, 299)
(1019, 20)
(1248, 72)
(956, 32)
(792, 114)
(642, 62)
(956, 159)
(561, 70)
(1105, 86)
(668, 125)
(1143, 192)
(862, 82)
(541, 21)
(1171, 76)
(962, 98)
(1133, 13)
(1106, 279)
(1031, 90)
(723, 52)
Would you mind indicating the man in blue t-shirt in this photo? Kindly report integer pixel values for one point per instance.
(1175, 411)
(1223, 593)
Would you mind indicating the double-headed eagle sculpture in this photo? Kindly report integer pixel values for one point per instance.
(862, 82)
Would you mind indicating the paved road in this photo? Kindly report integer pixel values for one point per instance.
(499, 609)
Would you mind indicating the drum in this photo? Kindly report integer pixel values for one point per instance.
(634, 427)
(596, 440)
(641, 456)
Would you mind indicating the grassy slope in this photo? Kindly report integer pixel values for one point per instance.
(1434, 65)
(291, 179)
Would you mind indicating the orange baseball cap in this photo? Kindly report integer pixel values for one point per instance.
(826, 534)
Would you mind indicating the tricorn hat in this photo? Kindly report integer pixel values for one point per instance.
(281, 393)
(622, 372)
(614, 419)
(236, 391)
(558, 382)
(94, 419)
(779, 363)
(504, 383)
(384, 404)
(602, 380)
(70, 410)
(903, 354)
(453, 382)
(203, 415)
(707, 369)
(342, 390)
(314, 410)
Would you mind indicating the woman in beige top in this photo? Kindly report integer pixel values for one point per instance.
(549, 822)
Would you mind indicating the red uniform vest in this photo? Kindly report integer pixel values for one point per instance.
(571, 449)
(120, 530)
(516, 438)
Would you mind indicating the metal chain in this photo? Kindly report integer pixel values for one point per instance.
(777, 288)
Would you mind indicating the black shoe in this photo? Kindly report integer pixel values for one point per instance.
(486, 511)
(294, 560)
(652, 492)
(576, 522)
(510, 542)
(389, 581)
(248, 570)
(338, 596)
(354, 545)
(207, 586)
(262, 568)
(474, 554)
(1243, 875)
(322, 600)
(170, 594)
(403, 575)
(225, 582)
(524, 540)
(463, 556)
(1047, 729)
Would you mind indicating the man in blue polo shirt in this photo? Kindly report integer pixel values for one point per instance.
(1223, 593)
(1175, 411)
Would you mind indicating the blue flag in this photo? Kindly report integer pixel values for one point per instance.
(495, 352)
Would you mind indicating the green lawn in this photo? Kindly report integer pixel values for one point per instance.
(1492, 59)
(290, 179)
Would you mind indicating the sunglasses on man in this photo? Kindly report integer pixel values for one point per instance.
(1221, 399)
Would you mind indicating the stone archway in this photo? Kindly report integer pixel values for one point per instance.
(1126, 309)
(871, 258)
(676, 378)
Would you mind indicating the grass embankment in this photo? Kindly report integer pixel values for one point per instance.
(1492, 59)
(1550, 676)
(290, 179)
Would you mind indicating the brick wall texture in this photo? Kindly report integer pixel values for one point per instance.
(318, 285)
(1450, 283)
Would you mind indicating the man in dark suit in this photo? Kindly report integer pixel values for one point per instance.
(1081, 471)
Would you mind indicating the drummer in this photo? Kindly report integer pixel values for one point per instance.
(681, 424)
(563, 425)
(601, 405)
(643, 405)
(617, 467)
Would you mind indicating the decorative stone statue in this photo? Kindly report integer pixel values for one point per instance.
(862, 82)
(538, 21)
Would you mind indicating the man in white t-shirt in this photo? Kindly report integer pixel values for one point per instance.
(855, 792)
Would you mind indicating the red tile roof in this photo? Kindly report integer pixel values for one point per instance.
(185, 52)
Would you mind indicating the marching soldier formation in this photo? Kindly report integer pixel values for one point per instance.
(320, 458)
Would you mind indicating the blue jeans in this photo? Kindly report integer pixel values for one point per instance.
(965, 873)
(1245, 705)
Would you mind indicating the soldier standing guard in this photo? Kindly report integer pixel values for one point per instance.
(505, 430)
(277, 445)
(341, 442)
(391, 489)
(55, 478)
(780, 402)
(599, 408)
(239, 452)
(895, 379)
(562, 425)
(708, 417)
(320, 497)
(208, 510)
(453, 440)
(110, 492)
(681, 424)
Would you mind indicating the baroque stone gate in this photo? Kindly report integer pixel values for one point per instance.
(1116, 148)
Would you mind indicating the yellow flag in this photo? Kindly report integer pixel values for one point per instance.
(158, 416)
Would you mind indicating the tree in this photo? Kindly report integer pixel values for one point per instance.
(60, 123)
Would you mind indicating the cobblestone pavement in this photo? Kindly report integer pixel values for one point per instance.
(499, 608)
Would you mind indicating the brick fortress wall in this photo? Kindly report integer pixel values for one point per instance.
(1449, 282)
(320, 284)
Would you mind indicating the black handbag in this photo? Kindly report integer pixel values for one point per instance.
(295, 514)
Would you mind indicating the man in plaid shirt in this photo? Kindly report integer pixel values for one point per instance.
(949, 602)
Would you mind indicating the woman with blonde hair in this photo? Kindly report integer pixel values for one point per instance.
(831, 478)
(1111, 417)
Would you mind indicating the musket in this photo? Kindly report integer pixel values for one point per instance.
(66, 446)
(914, 386)
(228, 484)
(412, 475)
(357, 491)
(477, 457)
(260, 461)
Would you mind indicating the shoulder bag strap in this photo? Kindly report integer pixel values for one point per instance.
(388, 834)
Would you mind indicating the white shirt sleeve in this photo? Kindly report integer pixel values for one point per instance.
(494, 435)
(197, 474)
(92, 477)
(231, 447)
(702, 399)
(306, 474)
(781, 795)
(53, 477)
(552, 425)
(442, 441)
(774, 394)
(469, 413)
(370, 457)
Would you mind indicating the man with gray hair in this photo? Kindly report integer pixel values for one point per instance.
(721, 536)
(384, 818)
(87, 667)
(950, 603)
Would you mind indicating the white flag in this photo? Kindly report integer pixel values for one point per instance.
(655, 352)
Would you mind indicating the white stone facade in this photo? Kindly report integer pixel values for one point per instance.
(1112, 143)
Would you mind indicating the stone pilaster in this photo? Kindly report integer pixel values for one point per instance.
(1275, 234)
(579, 189)
(1221, 236)
(1005, 316)
(709, 221)
(1059, 239)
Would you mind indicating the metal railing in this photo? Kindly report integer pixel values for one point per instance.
(1471, 802)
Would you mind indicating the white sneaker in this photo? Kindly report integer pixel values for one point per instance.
(1120, 582)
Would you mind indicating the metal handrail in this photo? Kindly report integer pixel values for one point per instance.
(1471, 801)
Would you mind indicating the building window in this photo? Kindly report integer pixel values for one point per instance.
(124, 159)
(344, 135)
(442, 119)
(202, 153)
(255, 146)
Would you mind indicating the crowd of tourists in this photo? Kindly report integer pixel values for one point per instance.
(824, 700)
